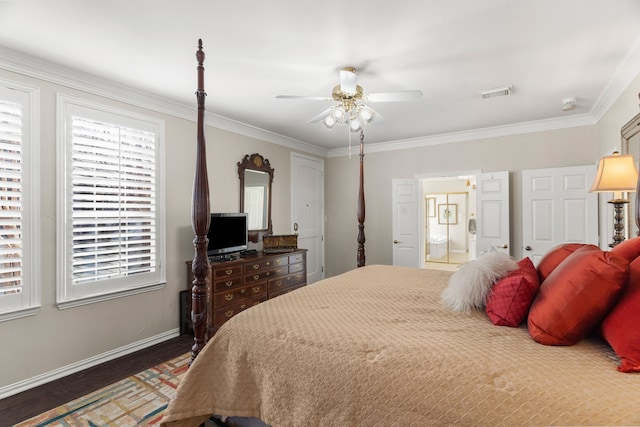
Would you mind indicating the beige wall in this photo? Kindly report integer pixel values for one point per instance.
(54, 339)
(557, 148)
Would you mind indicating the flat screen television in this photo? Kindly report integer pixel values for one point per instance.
(227, 233)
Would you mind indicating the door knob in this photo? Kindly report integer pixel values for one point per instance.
(527, 248)
(395, 242)
(504, 246)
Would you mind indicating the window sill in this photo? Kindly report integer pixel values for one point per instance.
(63, 305)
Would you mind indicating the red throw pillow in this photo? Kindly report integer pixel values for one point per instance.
(555, 256)
(628, 249)
(621, 327)
(510, 297)
(576, 296)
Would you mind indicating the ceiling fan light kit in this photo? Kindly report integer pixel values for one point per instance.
(352, 109)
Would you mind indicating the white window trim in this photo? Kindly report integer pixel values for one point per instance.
(30, 301)
(66, 296)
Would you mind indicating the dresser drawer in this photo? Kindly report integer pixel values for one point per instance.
(235, 296)
(265, 264)
(280, 283)
(257, 276)
(223, 314)
(296, 258)
(228, 283)
(226, 271)
(294, 268)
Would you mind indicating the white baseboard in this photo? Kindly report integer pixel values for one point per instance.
(30, 383)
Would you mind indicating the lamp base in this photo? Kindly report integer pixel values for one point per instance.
(618, 224)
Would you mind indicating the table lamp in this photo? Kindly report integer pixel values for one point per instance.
(616, 173)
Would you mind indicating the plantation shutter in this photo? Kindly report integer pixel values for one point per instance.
(114, 204)
(11, 198)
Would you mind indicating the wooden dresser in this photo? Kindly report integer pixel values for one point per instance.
(244, 282)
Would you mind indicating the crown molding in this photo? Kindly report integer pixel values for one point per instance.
(627, 71)
(230, 125)
(475, 134)
(20, 63)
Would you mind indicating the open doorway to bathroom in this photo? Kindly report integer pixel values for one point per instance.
(449, 221)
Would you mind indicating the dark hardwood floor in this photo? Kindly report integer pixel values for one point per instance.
(30, 403)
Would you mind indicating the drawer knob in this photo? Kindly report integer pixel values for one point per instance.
(279, 283)
(242, 291)
(243, 306)
(278, 261)
(256, 266)
(256, 289)
(268, 263)
(228, 271)
(228, 283)
(256, 276)
(299, 276)
(228, 313)
(228, 297)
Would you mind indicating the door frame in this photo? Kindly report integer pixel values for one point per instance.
(421, 213)
(321, 213)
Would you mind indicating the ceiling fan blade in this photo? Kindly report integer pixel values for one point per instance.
(409, 95)
(312, 98)
(348, 80)
(322, 115)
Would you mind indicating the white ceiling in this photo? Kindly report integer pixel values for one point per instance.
(256, 49)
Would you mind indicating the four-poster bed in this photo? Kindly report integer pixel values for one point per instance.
(376, 346)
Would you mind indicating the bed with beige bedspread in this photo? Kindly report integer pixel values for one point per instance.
(376, 346)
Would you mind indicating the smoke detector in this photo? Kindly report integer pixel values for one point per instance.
(497, 91)
(568, 104)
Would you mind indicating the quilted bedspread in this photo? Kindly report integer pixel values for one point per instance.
(376, 346)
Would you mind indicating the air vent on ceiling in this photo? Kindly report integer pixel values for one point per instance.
(498, 91)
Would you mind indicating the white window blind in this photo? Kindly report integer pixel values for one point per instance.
(19, 266)
(113, 223)
(11, 181)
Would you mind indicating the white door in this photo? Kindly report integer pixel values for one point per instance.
(493, 212)
(307, 211)
(558, 208)
(405, 222)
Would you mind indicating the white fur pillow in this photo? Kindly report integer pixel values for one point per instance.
(471, 283)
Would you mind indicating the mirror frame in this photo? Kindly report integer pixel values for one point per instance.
(256, 162)
(628, 131)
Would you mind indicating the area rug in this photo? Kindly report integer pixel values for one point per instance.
(138, 400)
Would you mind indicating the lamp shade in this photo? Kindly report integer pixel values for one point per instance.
(616, 173)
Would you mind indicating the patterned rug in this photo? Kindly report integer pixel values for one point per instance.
(138, 400)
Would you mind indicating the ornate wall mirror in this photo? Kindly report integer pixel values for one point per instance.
(630, 134)
(256, 176)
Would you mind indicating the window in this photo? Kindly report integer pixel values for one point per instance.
(19, 264)
(110, 203)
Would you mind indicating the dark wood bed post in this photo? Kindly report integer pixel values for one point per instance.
(361, 206)
(200, 219)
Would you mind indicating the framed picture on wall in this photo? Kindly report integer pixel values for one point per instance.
(448, 213)
(431, 206)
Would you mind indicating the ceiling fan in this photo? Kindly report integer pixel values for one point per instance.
(351, 108)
